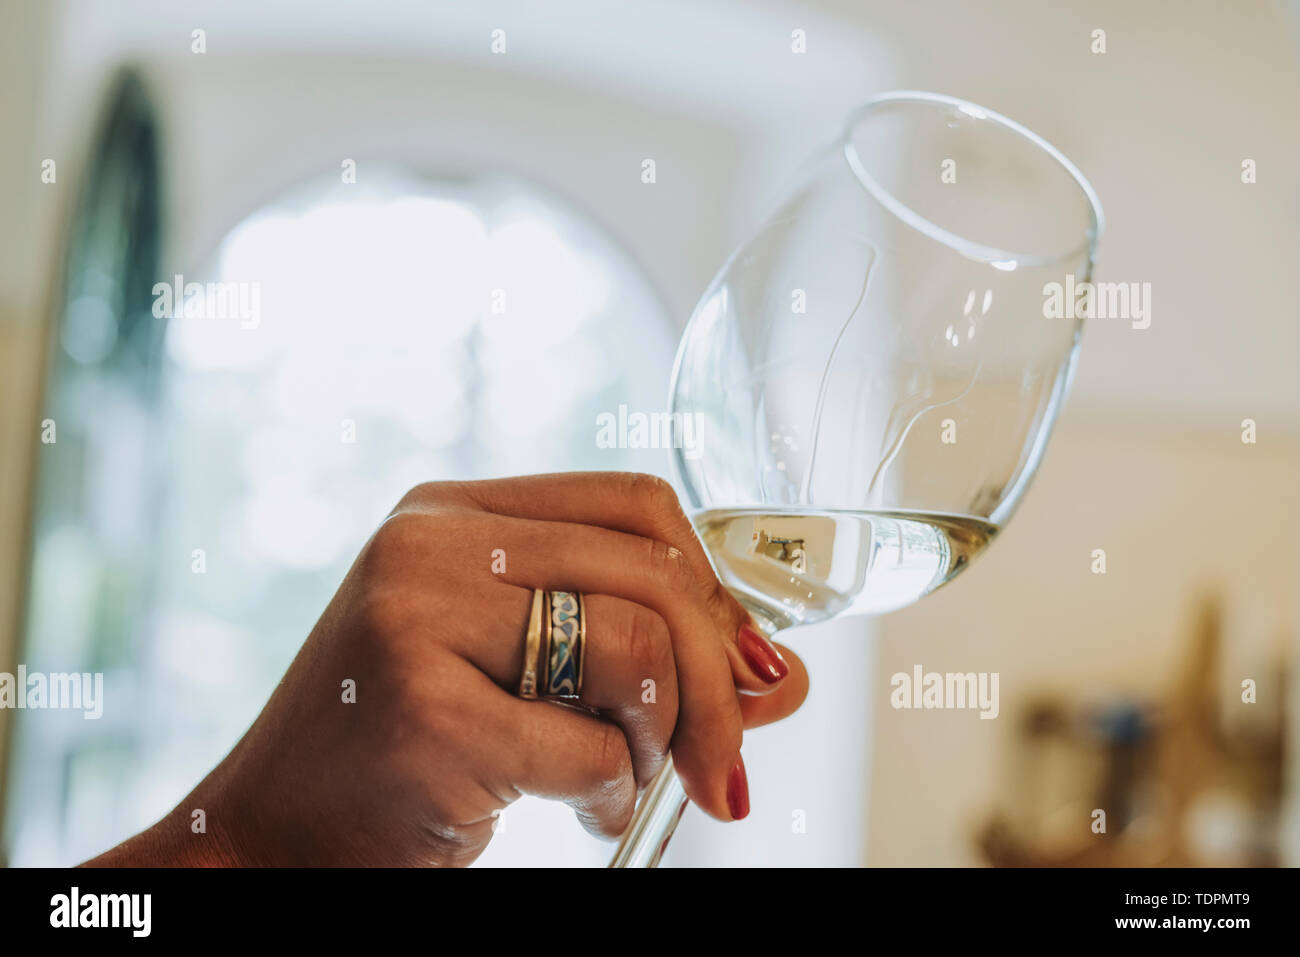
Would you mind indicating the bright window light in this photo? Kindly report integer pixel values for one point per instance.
(406, 331)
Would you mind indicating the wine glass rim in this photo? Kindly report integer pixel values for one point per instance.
(1003, 259)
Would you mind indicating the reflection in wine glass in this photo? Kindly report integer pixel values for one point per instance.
(875, 372)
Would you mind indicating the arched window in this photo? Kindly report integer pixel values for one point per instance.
(347, 341)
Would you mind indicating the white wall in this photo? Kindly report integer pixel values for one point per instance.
(1147, 461)
(1160, 124)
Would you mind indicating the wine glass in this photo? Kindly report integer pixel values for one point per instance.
(874, 376)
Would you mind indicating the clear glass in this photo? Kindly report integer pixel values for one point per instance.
(873, 375)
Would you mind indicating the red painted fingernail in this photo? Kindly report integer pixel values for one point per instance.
(761, 655)
(738, 791)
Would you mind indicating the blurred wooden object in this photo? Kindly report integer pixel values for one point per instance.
(1179, 785)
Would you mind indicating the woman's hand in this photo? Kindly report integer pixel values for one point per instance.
(429, 626)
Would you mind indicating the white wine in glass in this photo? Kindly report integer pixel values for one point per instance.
(875, 374)
(799, 567)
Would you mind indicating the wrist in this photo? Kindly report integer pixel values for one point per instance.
(183, 838)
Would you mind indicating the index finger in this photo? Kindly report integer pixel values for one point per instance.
(643, 505)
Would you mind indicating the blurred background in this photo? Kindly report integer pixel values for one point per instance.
(377, 170)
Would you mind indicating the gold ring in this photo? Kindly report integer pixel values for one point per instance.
(530, 682)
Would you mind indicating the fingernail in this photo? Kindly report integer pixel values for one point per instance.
(761, 655)
(738, 791)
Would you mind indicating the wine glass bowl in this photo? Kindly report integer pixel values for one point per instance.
(878, 356)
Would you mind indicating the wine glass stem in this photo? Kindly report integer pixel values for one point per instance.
(653, 822)
(665, 800)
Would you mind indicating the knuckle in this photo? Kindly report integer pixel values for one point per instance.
(720, 725)
(652, 493)
(655, 741)
(454, 846)
(398, 537)
(657, 498)
(671, 568)
(732, 733)
(453, 830)
(648, 643)
(613, 760)
(424, 494)
(721, 602)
